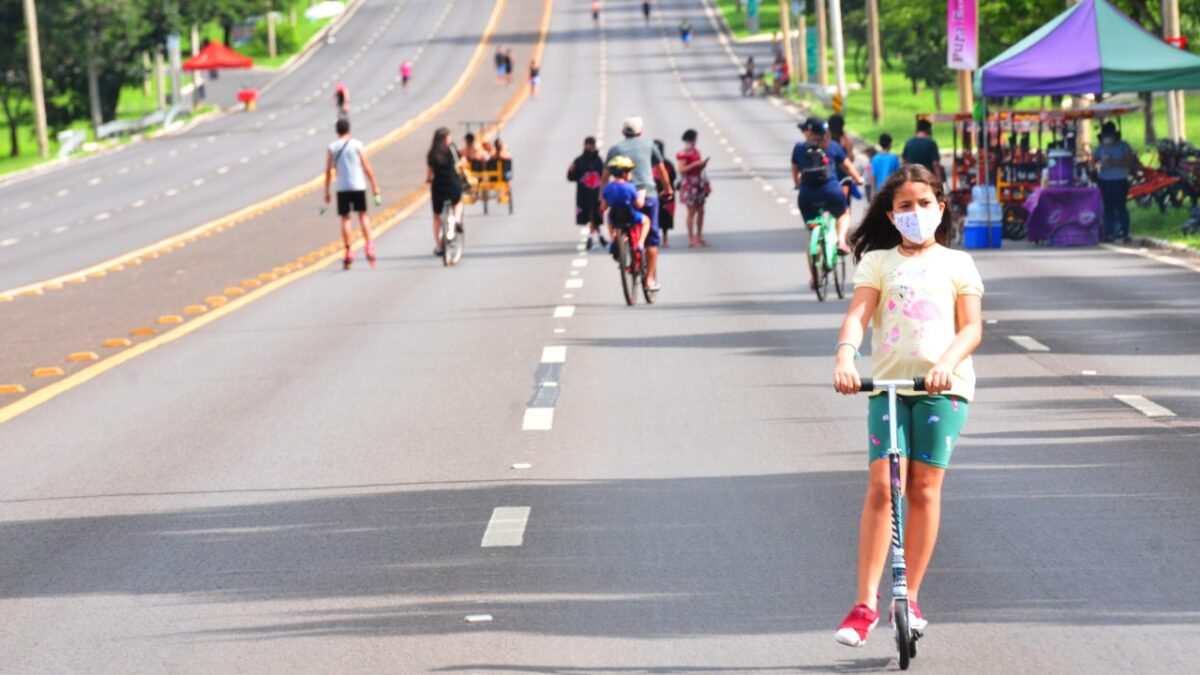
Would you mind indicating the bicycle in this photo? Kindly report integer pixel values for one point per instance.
(824, 260)
(453, 238)
(631, 263)
(906, 636)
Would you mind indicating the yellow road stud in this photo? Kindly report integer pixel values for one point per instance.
(77, 280)
(55, 286)
(11, 389)
(195, 309)
(33, 291)
(216, 299)
(116, 342)
(47, 372)
(5, 298)
(152, 255)
(136, 261)
(191, 240)
(116, 268)
(139, 332)
(234, 290)
(267, 276)
(170, 318)
(280, 271)
(98, 273)
(251, 283)
(83, 356)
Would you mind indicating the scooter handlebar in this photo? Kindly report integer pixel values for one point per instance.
(869, 384)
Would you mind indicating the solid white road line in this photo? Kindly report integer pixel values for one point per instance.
(1144, 405)
(1028, 343)
(556, 354)
(538, 419)
(507, 527)
(564, 311)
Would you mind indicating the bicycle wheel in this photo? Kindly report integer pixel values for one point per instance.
(904, 641)
(839, 276)
(628, 273)
(447, 219)
(814, 270)
(510, 202)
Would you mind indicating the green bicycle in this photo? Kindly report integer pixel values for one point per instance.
(824, 261)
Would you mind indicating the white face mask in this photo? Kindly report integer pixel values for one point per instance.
(918, 226)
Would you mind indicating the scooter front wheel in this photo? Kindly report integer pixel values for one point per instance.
(904, 637)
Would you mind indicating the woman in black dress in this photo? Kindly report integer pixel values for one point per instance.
(666, 202)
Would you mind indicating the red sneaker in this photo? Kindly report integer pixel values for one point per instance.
(856, 626)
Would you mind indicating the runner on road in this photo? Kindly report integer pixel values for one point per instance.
(406, 71)
(924, 302)
(347, 157)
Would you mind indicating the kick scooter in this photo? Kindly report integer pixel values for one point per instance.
(906, 636)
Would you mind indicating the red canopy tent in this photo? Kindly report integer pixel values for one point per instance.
(217, 55)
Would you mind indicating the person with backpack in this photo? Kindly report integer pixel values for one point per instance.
(586, 172)
(813, 173)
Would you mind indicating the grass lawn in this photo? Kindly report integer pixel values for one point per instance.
(768, 16)
(1153, 223)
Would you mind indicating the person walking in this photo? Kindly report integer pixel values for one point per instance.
(406, 72)
(535, 78)
(884, 163)
(666, 198)
(924, 302)
(347, 156)
(508, 67)
(922, 149)
(1114, 159)
(586, 171)
(596, 12)
(501, 63)
(693, 187)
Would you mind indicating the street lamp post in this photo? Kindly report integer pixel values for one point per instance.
(35, 78)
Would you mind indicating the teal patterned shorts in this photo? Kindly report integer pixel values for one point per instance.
(928, 426)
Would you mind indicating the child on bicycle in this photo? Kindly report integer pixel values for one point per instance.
(924, 302)
(623, 202)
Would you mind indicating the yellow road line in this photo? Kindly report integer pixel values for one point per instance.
(224, 222)
(87, 374)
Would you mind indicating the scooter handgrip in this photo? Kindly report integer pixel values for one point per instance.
(919, 384)
(868, 384)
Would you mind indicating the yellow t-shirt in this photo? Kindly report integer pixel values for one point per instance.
(914, 322)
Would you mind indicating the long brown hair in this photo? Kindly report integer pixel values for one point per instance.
(877, 231)
(438, 152)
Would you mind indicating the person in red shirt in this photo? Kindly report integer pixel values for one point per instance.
(694, 187)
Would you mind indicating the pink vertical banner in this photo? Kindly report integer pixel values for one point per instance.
(962, 35)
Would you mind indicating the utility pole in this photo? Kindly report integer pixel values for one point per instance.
(822, 40)
(271, 31)
(785, 24)
(802, 52)
(35, 78)
(874, 57)
(839, 49)
(1175, 99)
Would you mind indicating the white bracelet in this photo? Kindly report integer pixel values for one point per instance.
(851, 344)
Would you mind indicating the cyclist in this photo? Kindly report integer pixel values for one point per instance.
(347, 157)
(623, 201)
(813, 163)
(647, 163)
(685, 32)
(443, 173)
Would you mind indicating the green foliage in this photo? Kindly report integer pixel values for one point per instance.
(287, 38)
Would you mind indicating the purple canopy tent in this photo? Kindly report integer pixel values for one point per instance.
(1090, 48)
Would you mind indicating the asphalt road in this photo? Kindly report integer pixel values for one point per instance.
(307, 483)
(74, 217)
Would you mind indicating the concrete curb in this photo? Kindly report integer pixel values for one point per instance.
(1155, 242)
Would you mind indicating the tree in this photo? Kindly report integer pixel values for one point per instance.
(14, 73)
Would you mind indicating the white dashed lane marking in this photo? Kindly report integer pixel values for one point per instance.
(538, 419)
(506, 527)
(554, 354)
(1028, 343)
(1143, 405)
(574, 283)
(9, 242)
(564, 311)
